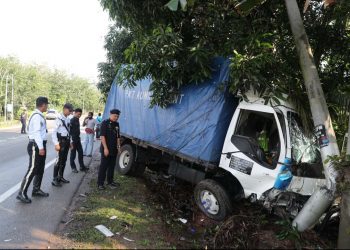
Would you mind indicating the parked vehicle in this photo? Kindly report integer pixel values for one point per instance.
(230, 147)
(51, 114)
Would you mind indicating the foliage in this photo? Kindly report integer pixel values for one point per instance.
(32, 81)
(176, 48)
(116, 41)
(289, 232)
(339, 161)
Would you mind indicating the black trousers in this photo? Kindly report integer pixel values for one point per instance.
(23, 129)
(61, 158)
(77, 147)
(106, 167)
(35, 170)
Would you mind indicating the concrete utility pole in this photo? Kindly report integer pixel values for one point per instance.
(83, 102)
(2, 78)
(322, 198)
(5, 108)
(12, 99)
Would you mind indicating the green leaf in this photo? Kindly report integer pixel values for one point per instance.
(173, 4)
(246, 6)
(183, 4)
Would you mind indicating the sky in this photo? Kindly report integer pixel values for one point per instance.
(63, 34)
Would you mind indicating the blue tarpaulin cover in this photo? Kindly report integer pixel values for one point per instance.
(194, 126)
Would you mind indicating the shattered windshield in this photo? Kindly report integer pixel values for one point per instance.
(304, 146)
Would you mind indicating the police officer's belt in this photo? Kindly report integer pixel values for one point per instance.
(32, 140)
(59, 136)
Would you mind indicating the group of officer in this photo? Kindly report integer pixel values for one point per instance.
(66, 135)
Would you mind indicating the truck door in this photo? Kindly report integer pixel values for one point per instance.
(256, 144)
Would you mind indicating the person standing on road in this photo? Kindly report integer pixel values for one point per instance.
(62, 141)
(77, 147)
(24, 121)
(110, 145)
(37, 134)
(90, 124)
(98, 126)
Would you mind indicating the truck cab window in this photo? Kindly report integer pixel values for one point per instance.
(262, 131)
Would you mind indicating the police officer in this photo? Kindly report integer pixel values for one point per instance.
(110, 145)
(62, 140)
(37, 133)
(77, 147)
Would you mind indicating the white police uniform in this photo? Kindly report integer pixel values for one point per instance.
(61, 136)
(37, 133)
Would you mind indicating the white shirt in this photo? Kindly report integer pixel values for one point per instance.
(60, 128)
(37, 129)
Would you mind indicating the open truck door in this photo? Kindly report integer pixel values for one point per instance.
(254, 148)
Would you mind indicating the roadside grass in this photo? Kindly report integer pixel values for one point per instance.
(7, 124)
(148, 210)
(137, 219)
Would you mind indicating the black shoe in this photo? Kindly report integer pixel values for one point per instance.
(40, 193)
(101, 187)
(74, 170)
(113, 185)
(63, 180)
(56, 183)
(23, 198)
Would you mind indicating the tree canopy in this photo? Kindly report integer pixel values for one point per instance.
(176, 48)
(32, 81)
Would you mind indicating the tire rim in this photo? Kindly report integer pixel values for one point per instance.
(209, 202)
(124, 159)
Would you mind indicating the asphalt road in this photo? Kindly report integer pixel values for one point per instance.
(30, 225)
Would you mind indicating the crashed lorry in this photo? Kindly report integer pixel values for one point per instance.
(227, 146)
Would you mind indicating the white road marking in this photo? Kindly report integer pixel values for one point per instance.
(15, 188)
(13, 138)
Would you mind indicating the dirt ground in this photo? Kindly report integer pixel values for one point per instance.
(146, 214)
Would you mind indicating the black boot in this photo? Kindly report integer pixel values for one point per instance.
(63, 180)
(37, 182)
(39, 193)
(56, 183)
(23, 198)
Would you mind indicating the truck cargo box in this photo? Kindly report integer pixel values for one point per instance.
(193, 127)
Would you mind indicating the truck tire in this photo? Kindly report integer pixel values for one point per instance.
(125, 159)
(212, 199)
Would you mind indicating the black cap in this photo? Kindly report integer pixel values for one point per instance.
(41, 100)
(68, 106)
(115, 111)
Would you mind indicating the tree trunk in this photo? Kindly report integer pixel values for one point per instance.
(344, 227)
(322, 198)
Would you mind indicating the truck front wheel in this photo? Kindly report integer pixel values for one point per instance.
(125, 159)
(212, 199)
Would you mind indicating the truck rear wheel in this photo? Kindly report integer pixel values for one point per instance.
(125, 159)
(212, 199)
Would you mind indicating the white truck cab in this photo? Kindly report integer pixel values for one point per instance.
(272, 157)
